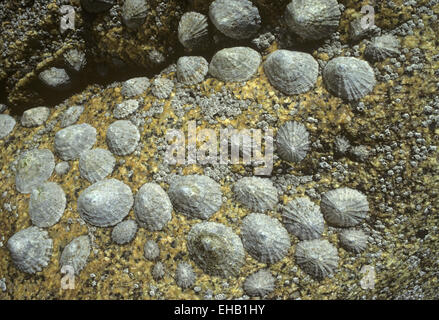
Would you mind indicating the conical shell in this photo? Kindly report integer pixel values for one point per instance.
(76, 253)
(134, 13)
(47, 204)
(135, 86)
(70, 142)
(257, 194)
(382, 47)
(292, 141)
(122, 137)
(193, 30)
(317, 257)
(96, 164)
(353, 240)
(259, 283)
(192, 70)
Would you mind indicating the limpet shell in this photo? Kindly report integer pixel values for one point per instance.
(7, 124)
(96, 164)
(122, 137)
(35, 117)
(317, 257)
(55, 78)
(185, 275)
(292, 141)
(161, 88)
(75, 60)
(193, 30)
(257, 194)
(71, 116)
(134, 13)
(76, 253)
(135, 86)
(124, 232)
(192, 70)
(151, 250)
(70, 142)
(353, 240)
(125, 108)
(47, 204)
(382, 47)
(259, 283)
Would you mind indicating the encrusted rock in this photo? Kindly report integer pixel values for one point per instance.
(235, 64)
(264, 238)
(96, 164)
(349, 78)
(193, 30)
(76, 253)
(151, 250)
(97, 6)
(195, 196)
(353, 240)
(34, 167)
(35, 117)
(292, 141)
(71, 116)
(192, 70)
(344, 207)
(382, 47)
(257, 194)
(291, 72)
(125, 108)
(259, 283)
(7, 124)
(303, 219)
(47, 204)
(75, 60)
(122, 137)
(313, 19)
(124, 232)
(105, 203)
(30, 249)
(152, 207)
(70, 142)
(185, 275)
(55, 78)
(317, 257)
(216, 249)
(135, 86)
(134, 13)
(237, 19)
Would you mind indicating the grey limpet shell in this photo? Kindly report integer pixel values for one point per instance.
(135, 86)
(257, 194)
(75, 60)
(71, 116)
(303, 218)
(7, 124)
(34, 167)
(31, 249)
(55, 78)
(97, 6)
(70, 142)
(382, 47)
(196, 196)
(151, 250)
(96, 164)
(292, 141)
(216, 249)
(122, 137)
(158, 271)
(235, 64)
(35, 117)
(125, 108)
(124, 232)
(317, 257)
(291, 72)
(313, 19)
(353, 240)
(105, 203)
(349, 78)
(193, 30)
(237, 19)
(134, 13)
(185, 275)
(192, 70)
(62, 168)
(152, 207)
(344, 207)
(76, 253)
(162, 88)
(264, 238)
(47, 204)
(259, 283)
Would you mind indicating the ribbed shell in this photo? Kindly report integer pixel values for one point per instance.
(216, 249)
(257, 194)
(353, 240)
(33, 168)
(313, 19)
(124, 232)
(134, 13)
(96, 164)
(35, 117)
(105, 203)
(344, 207)
(237, 19)
(125, 108)
(303, 219)
(192, 70)
(7, 124)
(30, 249)
(259, 283)
(162, 88)
(235, 64)
(76, 253)
(75, 60)
(71, 116)
(97, 6)
(185, 275)
(151, 250)
(135, 86)
(55, 78)
(47, 204)
(317, 257)
(291, 72)
(195, 196)
(382, 47)
(292, 141)
(122, 137)
(193, 30)
(264, 238)
(158, 271)
(349, 78)
(70, 142)
(152, 207)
